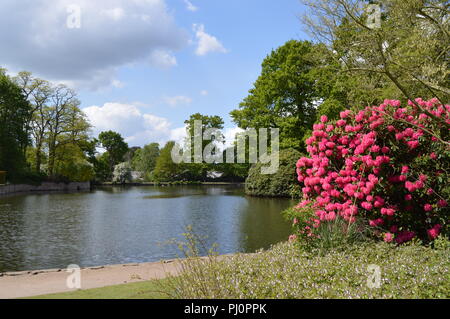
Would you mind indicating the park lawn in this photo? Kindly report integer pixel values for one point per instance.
(137, 290)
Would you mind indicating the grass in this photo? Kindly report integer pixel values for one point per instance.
(137, 290)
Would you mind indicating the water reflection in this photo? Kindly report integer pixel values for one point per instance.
(130, 224)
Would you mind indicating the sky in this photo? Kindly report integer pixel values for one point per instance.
(142, 67)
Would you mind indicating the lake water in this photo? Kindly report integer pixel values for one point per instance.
(115, 225)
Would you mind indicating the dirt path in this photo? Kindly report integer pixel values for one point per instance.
(33, 283)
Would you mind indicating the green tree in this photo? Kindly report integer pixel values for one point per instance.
(408, 49)
(283, 96)
(165, 169)
(39, 93)
(144, 159)
(116, 147)
(14, 112)
(199, 171)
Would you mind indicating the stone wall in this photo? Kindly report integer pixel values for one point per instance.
(44, 187)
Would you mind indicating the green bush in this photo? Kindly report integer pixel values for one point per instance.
(335, 235)
(281, 184)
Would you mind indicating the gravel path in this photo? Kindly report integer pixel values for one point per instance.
(33, 283)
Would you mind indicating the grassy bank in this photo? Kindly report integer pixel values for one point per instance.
(285, 271)
(136, 290)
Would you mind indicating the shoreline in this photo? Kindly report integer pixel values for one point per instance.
(29, 283)
(170, 184)
(43, 188)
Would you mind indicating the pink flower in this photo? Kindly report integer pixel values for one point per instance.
(408, 197)
(413, 144)
(324, 119)
(388, 237)
(433, 156)
(292, 238)
(442, 203)
(340, 123)
(433, 233)
(428, 207)
(366, 205)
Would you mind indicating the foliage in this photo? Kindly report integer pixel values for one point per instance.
(116, 147)
(282, 183)
(57, 131)
(101, 167)
(165, 169)
(14, 112)
(334, 235)
(198, 171)
(144, 160)
(287, 272)
(283, 96)
(408, 49)
(387, 165)
(72, 164)
(122, 173)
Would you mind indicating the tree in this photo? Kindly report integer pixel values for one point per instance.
(65, 120)
(144, 159)
(283, 96)
(115, 146)
(39, 93)
(199, 171)
(408, 49)
(14, 112)
(165, 168)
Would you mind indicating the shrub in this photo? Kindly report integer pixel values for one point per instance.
(122, 173)
(281, 184)
(386, 165)
(334, 235)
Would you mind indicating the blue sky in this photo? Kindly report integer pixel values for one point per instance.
(141, 67)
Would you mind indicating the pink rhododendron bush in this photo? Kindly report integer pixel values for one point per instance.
(386, 167)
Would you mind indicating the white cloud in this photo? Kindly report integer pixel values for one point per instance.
(177, 100)
(136, 127)
(162, 59)
(204, 92)
(117, 84)
(206, 42)
(190, 6)
(115, 14)
(112, 33)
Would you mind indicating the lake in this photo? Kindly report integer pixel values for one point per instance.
(116, 225)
